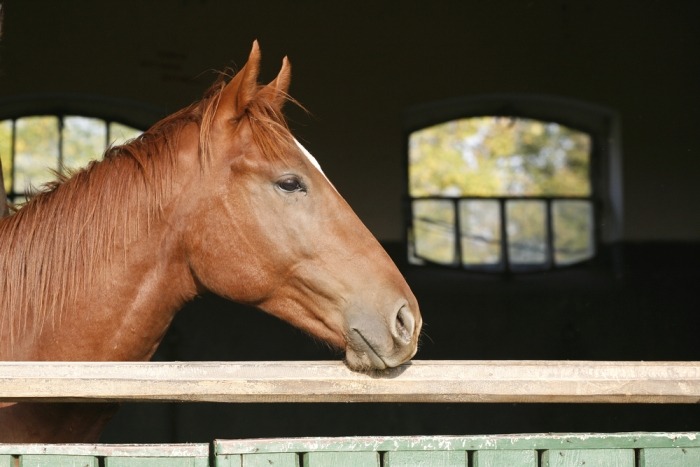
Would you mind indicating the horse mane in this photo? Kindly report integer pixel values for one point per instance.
(53, 248)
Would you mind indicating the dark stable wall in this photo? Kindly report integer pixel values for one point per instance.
(357, 66)
(638, 302)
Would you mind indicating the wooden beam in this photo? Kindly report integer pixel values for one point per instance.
(331, 381)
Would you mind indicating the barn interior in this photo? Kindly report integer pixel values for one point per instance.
(365, 71)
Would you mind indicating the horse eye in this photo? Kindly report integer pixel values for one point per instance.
(290, 185)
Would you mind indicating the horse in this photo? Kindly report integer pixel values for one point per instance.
(218, 197)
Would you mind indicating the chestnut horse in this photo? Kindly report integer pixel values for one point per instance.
(217, 197)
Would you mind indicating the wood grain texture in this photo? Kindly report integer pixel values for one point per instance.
(199, 450)
(663, 457)
(505, 458)
(560, 450)
(286, 459)
(228, 460)
(341, 459)
(156, 462)
(425, 459)
(543, 441)
(331, 381)
(58, 461)
(589, 458)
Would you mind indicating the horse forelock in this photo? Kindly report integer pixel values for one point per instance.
(268, 124)
(270, 130)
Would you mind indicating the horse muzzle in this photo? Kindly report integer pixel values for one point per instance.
(375, 342)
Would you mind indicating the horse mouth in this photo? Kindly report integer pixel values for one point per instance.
(361, 355)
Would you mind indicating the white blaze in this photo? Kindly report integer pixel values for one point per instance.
(308, 155)
(312, 159)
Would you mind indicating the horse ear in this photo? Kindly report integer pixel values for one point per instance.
(242, 88)
(276, 91)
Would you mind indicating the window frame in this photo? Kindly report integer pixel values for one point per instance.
(601, 123)
(61, 105)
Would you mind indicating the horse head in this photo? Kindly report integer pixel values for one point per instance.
(265, 227)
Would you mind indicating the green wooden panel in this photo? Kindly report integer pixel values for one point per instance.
(283, 459)
(588, 458)
(543, 441)
(228, 460)
(156, 462)
(425, 459)
(6, 461)
(524, 458)
(57, 460)
(341, 459)
(663, 457)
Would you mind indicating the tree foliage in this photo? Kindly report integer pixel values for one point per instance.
(503, 158)
(495, 156)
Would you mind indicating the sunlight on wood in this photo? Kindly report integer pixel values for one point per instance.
(331, 381)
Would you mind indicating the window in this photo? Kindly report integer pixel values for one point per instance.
(34, 147)
(509, 190)
(44, 135)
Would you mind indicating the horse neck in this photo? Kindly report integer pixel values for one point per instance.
(131, 279)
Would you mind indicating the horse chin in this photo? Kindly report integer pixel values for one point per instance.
(363, 361)
(362, 355)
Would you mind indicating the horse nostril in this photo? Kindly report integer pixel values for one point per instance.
(404, 325)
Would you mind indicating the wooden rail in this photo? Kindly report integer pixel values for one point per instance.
(313, 381)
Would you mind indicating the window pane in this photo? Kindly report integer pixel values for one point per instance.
(498, 156)
(83, 140)
(527, 232)
(573, 231)
(480, 225)
(120, 134)
(36, 151)
(6, 152)
(434, 231)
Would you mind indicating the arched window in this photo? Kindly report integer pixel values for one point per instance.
(34, 147)
(46, 134)
(509, 183)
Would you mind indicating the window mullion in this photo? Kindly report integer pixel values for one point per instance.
(505, 260)
(550, 233)
(458, 231)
